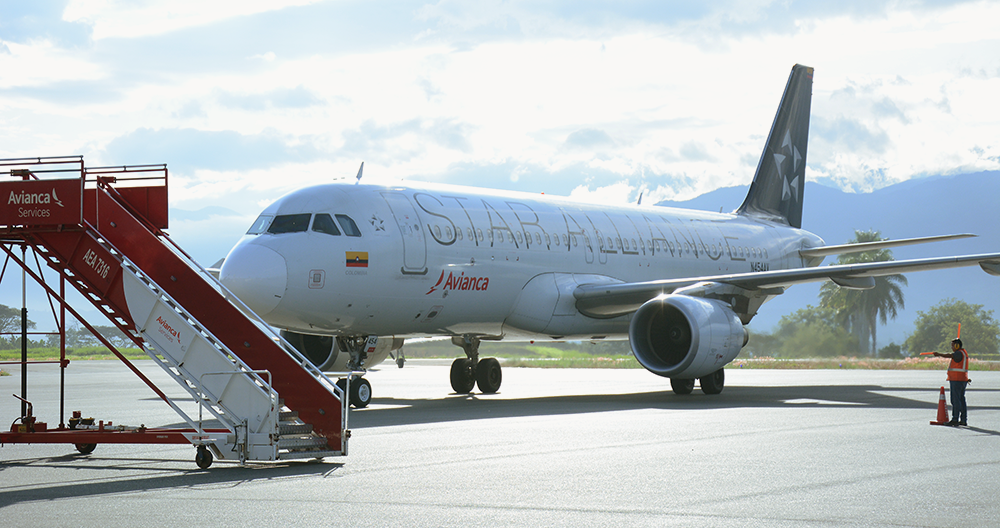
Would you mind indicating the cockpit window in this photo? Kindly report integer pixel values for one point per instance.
(294, 223)
(324, 224)
(350, 228)
(260, 225)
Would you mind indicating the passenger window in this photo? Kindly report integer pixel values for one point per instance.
(519, 238)
(260, 225)
(295, 223)
(437, 232)
(348, 225)
(548, 240)
(538, 239)
(323, 223)
(574, 241)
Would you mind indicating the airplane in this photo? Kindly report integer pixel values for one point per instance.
(349, 271)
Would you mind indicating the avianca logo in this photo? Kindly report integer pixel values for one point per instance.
(460, 283)
(168, 329)
(24, 198)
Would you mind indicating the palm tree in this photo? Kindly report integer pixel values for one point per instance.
(860, 311)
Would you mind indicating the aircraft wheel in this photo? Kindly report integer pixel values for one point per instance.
(682, 386)
(361, 393)
(462, 378)
(86, 449)
(489, 375)
(203, 457)
(713, 383)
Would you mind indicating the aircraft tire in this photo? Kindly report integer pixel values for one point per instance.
(85, 449)
(682, 387)
(361, 393)
(462, 378)
(714, 382)
(489, 375)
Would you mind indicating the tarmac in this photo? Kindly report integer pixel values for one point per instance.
(555, 447)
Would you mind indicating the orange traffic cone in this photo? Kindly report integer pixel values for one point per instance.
(942, 417)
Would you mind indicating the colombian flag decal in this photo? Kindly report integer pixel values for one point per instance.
(357, 259)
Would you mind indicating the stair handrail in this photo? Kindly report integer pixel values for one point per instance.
(126, 262)
(230, 296)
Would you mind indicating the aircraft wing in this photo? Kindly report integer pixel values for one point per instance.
(611, 300)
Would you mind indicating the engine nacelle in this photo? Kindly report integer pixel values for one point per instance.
(329, 356)
(321, 350)
(678, 336)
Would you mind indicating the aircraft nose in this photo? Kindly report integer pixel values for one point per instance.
(257, 275)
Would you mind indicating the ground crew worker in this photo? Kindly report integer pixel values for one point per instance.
(958, 378)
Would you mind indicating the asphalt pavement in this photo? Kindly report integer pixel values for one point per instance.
(555, 447)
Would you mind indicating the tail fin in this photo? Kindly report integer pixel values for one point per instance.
(778, 186)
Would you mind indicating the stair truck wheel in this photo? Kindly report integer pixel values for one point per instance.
(203, 457)
(86, 449)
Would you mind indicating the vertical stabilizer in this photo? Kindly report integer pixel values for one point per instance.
(778, 186)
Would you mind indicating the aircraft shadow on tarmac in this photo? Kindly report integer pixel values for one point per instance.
(458, 407)
(114, 475)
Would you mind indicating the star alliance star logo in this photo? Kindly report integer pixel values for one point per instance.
(377, 223)
(789, 183)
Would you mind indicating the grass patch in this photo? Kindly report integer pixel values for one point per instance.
(81, 353)
(859, 364)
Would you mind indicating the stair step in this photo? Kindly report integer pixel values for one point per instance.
(291, 429)
(298, 455)
(310, 442)
(288, 416)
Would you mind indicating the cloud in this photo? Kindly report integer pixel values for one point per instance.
(372, 139)
(298, 97)
(23, 22)
(589, 139)
(188, 149)
(70, 92)
(849, 134)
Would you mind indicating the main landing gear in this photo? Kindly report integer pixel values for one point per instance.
(710, 384)
(470, 371)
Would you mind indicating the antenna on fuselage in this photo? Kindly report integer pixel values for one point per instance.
(639, 202)
(360, 169)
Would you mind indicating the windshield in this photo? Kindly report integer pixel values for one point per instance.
(293, 223)
(260, 225)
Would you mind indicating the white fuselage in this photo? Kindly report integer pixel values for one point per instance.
(442, 260)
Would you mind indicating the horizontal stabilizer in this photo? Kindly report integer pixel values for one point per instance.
(871, 246)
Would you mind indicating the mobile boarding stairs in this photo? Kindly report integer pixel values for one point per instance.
(101, 230)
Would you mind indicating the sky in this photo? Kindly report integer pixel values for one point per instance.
(245, 100)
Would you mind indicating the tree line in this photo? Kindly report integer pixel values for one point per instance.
(845, 322)
(76, 335)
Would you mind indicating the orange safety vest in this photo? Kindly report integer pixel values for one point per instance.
(959, 370)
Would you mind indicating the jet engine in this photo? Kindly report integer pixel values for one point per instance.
(684, 337)
(320, 349)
